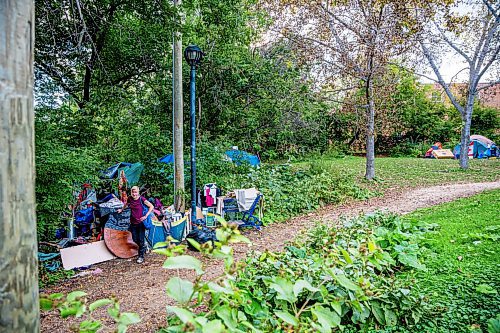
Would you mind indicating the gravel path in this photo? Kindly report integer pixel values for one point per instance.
(141, 288)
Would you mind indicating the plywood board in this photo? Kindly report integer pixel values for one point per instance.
(442, 153)
(84, 255)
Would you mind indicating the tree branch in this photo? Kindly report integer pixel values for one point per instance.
(488, 85)
(494, 57)
(440, 78)
(453, 46)
(492, 10)
(59, 78)
(485, 49)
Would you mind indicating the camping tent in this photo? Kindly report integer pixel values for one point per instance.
(481, 147)
(132, 171)
(240, 157)
(157, 233)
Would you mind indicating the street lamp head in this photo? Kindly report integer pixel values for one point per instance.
(193, 55)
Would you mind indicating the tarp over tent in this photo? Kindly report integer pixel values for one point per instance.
(481, 147)
(240, 157)
(167, 159)
(132, 171)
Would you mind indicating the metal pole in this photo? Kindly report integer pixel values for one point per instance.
(192, 99)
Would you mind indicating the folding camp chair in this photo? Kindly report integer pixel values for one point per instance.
(249, 220)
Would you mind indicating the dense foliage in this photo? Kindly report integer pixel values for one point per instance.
(103, 91)
(331, 278)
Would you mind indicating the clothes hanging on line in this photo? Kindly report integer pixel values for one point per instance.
(210, 192)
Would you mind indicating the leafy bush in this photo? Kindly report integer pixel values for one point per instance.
(410, 149)
(60, 169)
(331, 278)
(75, 304)
(289, 191)
(486, 121)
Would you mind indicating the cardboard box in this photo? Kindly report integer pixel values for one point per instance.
(84, 255)
(443, 154)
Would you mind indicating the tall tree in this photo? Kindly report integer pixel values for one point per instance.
(178, 118)
(470, 31)
(352, 42)
(18, 261)
(84, 45)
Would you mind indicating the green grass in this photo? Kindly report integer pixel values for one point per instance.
(462, 283)
(409, 172)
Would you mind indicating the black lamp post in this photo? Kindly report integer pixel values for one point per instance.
(193, 56)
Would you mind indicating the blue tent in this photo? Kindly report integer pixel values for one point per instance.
(167, 159)
(482, 147)
(157, 233)
(240, 157)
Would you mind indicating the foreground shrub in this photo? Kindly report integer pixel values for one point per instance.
(332, 279)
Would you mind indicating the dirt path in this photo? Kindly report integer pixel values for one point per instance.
(141, 288)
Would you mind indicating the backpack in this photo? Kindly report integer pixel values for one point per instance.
(148, 222)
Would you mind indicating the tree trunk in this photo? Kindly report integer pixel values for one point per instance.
(178, 118)
(18, 261)
(465, 136)
(370, 132)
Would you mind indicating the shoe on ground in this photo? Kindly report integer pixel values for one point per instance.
(140, 260)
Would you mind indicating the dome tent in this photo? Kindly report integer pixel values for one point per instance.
(482, 147)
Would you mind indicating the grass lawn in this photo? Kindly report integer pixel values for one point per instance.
(462, 283)
(409, 172)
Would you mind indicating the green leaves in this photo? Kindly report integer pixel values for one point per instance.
(345, 282)
(287, 317)
(494, 325)
(179, 289)
(486, 289)
(390, 317)
(378, 312)
(301, 285)
(75, 295)
(183, 261)
(284, 289)
(99, 303)
(326, 318)
(129, 318)
(213, 326)
(45, 304)
(89, 326)
(184, 315)
(407, 255)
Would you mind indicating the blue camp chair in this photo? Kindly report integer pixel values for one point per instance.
(249, 220)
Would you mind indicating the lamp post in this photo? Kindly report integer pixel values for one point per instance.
(193, 56)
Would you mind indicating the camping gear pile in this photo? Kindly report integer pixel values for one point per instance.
(479, 147)
(97, 228)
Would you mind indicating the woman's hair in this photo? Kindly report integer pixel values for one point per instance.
(134, 188)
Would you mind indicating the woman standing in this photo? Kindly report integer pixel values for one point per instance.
(137, 228)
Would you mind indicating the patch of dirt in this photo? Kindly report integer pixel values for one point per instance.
(141, 288)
